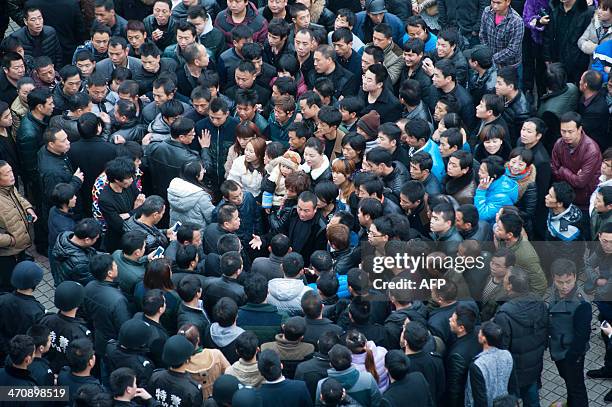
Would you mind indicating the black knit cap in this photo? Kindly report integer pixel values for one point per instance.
(26, 274)
(134, 334)
(69, 295)
(177, 350)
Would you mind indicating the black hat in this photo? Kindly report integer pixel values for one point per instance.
(134, 334)
(376, 6)
(68, 295)
(224, 388)
(246, 397)
(481, 54)
(26, 274)
(177, 350)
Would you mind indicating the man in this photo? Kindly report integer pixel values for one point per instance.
(16, 237)
(377, 96)
(482, 388)
(445, 80)
(443, 229)
(153, 64)
(303, 43)
(483, 74)
(127, 123)
(104, 303)
(342, 40)
(118, 56)
(161, 26)
(420, 170)
(493, 294)
(245, 78)
(506, 47)
(569, 329)
(182, 10)
(593, 109)
(269, 266)
(413, 69)
(174, 383)
(517, 108)
(21, 352)
(576, 159)
(277, 44)
(136, 36)
(414, 206)
(489, 110)
(449, 48)
(81, 359)
(393, 173)
(241, 12)
(19, 107)
(245, 369)
(418, 140)
(153, 307)
(325, 66)
(230, 58)
(186, 34)
(416, 28)
(459, 182)
(209, 36)
(290, 345)
(228, 221)
(464, 16)
(78, 105)
(382, 38)
(375, 13)
(105, 14)
(131, 261)
(328, 121)
(164, 90)
(70, 85)
(508, 230)
(275, 388)
(124, 387)
(97, 45)
(146, 219)
(565, 221)
(250, 218)
(568, 21)
(44, 74)
(286, 293)
(470, 226)
(227, 285)
(98, 91)
(38, 39)
(73, 251)
(345, 18)
(85, 61)
(13, 69)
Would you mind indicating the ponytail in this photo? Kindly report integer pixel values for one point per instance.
(370, 364)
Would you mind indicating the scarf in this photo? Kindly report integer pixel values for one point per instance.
(561, 226)
(526, 177)
(454, 185)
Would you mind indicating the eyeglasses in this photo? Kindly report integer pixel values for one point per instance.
(371, 234)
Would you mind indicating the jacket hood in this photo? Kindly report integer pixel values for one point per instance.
(316, 9)
(183, 195)
(159, 126)
(286, 289)
(347, 377)
(223, 336)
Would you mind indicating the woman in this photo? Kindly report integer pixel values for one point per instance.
(295, 183)
(245, 132)
(494, 190)
(248, 169)
(367, 357)
(520, 168)
(316, 162)
(353, 148)
(327, 195)
(159, 275)
(492, 142)
(205, 365)
(342, 175)
(189, 200)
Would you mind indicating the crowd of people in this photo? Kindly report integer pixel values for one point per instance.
(217, 183)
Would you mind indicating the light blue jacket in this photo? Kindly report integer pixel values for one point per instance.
(503, 191)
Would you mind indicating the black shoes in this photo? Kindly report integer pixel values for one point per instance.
(601, 373)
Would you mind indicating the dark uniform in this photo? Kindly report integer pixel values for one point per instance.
(431, 365)
(74, 383)
(63, 330)
(19, 312)
(158, 338)
(197, 317)
(41, 371)
(167, 386)
(14, 377)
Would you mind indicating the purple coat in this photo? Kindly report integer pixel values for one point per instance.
(532, 7)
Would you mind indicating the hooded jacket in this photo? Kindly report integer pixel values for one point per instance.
(223, 338)
(359, 385)
(247, 373)
(253, 20)
(286, 294)
(189, 203)
(71, 262)
(503, 191)
(524, 322)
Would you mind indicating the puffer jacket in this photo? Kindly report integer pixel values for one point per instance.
(247, 373)
(527, 196)
(29, 141)
(50, 44)
(154, 236)
(559, 102)
(396, 180)
(71, 262)
(222, 138)
(131, 131)
(205, 366)
(179, 12)
(464, 15)
(394, 324)
(169, 30)
(378, 352)
(594, 35)
(361, 386)
(291, 353)
(13, 223)
(250, 180)
(503, 191)
(524, 322)
(68, 123)
(515, 113)
(159, 129)
(189, 203)
(253, 20)
(286, 294)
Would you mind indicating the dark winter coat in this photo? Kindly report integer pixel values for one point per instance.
(29, 141)
(458, 361)
(263, 319)
(253, 20)
(50, 45)
(222, 138)
(20, 311)
(169, 36)
(412, 387)
(63, 327)
(71, 262)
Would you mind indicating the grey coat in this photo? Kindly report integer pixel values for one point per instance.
(189, 203)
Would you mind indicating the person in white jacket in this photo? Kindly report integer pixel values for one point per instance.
(248, 169)
(189, 201)
(599, 30)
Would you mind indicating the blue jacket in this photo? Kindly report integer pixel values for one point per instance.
(438, 169)
(602, 57)
(430, 45)
(250, 217)
(343, 291)
(503, 191)
(278, 132)
(397, 27)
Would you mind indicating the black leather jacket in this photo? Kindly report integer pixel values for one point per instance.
(516, 112)
(396, 180)
(458, 362)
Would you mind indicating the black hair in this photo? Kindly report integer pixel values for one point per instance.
(413, 190)
(20, 347)
(132, 241)
(321, 261)
(466, 317)
(39, 334)
(256, 288)
(246, 345)
(416, 335)
(292, 264)
(78, 354)
(120, 379)
(564, 193)
(269, 363)
(371, 207)
(340, 357)
(328, 284)
(185, 254)
(100, 265)
(225, 312)
(62, 194)
(152, 204)
(119, 169)
(153, 301)
(294, 328)
(311, 305)
(188, 287)
(280, 245)
(231, 263)
(326, 191)
(87, 228)
(279, 27)
(38, 96)
(492, 332)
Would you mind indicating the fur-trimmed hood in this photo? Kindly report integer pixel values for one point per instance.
(316, 9)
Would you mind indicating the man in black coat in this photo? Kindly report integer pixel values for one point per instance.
(376, 96)
(190, 291)
(38, 39)
(13, 69)
(17, 374)
(405, 384)
(130, 350)
(316, 325)
(393, 173)
(227, 285)
(153, 307)
(105, 306)
(594, 109)
(445, 78)
(274, 390)
(460, 354)
(315, 369)
(325, 66)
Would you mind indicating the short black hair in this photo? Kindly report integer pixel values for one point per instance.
(269, 363)
(87, 228)
(132, 241)
(246, 345)
(231, 262)
(100, 265)
(78, 354)
(466, 317)
(311, 305)
(492, 332)
(39, 334)
(294, 328)
(62, 194)
(564, 193)
(413, 190)
(292, 264)
(153, 301)
(256, 288)
(185, 254)
(321, 261)
(280, 245)
(225, 312)
(416, 335)
(20, 347)
(120, 379)
(340, 357)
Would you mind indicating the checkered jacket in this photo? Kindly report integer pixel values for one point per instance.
(505, 39)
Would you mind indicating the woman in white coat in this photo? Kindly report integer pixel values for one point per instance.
(248, 169)
(190, 202)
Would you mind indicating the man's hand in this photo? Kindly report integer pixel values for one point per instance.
(298, 117)
(105, 118)
(79, 174)
(146, 140)
(139, 200)
(170, 234)
(157, 34)
(145, 99)
(428, 66)
(33, 214)
(152, 256)
(545, 20)
(256, 242)
(485, 183)
(204, 138)
(601, 282)
(143, 394)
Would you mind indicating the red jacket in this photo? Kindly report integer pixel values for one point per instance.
(580, 168)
